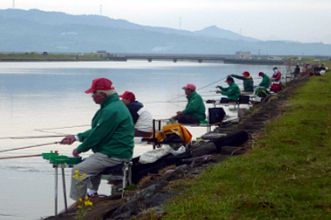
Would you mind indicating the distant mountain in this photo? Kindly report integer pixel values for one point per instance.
(215, 32)
(38, 31)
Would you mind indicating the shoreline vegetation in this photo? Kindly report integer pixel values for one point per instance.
(283, 172)
(230, 59)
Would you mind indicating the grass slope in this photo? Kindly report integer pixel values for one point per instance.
(285, 176)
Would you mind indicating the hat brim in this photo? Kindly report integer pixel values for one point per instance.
(89, 90)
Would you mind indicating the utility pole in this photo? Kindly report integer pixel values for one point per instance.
(13, 3)
(100, 10)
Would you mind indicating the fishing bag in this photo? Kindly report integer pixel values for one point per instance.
(235, 139)
(173, 133)
(275, 87)
(216, 115)
(261, 92)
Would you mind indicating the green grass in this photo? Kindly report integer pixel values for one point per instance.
(286, 176)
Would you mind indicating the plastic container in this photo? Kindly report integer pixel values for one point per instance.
(74, 160)
(204, 122)
(48, 155)
(59, 159)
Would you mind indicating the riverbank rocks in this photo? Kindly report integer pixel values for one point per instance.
(153, 194)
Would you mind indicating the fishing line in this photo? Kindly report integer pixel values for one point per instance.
(52, 132)
(197, 89)
(20, 148)
(75, 126)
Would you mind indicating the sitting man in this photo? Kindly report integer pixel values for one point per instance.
(110, 138)
(248, 81)
(232, 92)
(265, 80)
(262, 91)
(195, 110)
(142, 118)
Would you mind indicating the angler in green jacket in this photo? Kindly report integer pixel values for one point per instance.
(232, 92)
(248, 81)
(110, 138)
(265, 80)
(195, 109)
(262, 91)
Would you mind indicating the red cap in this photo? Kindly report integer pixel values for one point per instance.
(100, 84)
(189, 86)
(245, 73)
(261, 73)
(128, 95)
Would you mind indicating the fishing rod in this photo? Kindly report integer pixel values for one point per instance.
(20, 148)
(75, 126)
(32, 137)
(198, 89)
(22, 156)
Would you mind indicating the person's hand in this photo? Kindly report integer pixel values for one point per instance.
(230, 75)
(218, 91)
(179, 113)
(218, 87)
(68, 140)
(75, 153)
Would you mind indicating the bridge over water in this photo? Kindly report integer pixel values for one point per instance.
(188, 57)
(171, 57)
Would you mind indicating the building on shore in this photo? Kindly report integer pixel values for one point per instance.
(243, 55)
(102, 53)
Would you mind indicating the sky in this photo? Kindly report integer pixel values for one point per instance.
(294, 20)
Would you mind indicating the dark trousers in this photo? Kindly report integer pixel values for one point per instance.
(138, 133)
(225, 100)
(187, 119)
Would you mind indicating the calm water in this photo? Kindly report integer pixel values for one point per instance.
(47, 98)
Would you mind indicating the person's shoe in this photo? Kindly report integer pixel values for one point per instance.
(92, 195)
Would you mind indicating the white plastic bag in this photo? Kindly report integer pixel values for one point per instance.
(153, 155)
(180, 150)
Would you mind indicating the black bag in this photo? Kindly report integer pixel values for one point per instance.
(216, 115)
(244, 99)
(234, 139)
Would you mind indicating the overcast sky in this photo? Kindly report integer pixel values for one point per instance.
(296, 20)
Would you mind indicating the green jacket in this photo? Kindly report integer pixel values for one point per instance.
(265, 81)
(233, 91)
(195, 106)
(248, 82)
(112, 130)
